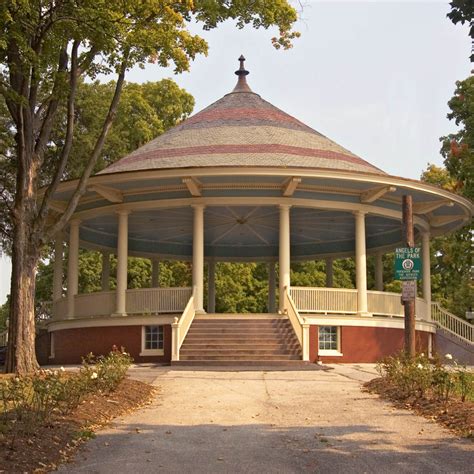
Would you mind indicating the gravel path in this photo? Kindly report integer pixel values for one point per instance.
(266, 421)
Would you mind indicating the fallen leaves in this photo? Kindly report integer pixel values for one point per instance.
(56, 442)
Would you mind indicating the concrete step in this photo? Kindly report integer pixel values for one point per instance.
(261, 322)
(244, 345)
(275, 332)
(235, 352)
(242, 325)
(282, 364)
(241, 357)
(240, 339)
(244, 316)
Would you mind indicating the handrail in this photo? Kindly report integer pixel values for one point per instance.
(298, 323)
(458, 327)
(157, 300)
(180, 328)
(344, 301)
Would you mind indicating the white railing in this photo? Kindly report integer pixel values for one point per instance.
(139, 301)
(422, 309)
(3, 338)
(384, 304)
(157, 300)
(344, 301)
(324, 300)
(180, 328)
(298, 323)
(459, 328)
(60, 308)
(94, 304)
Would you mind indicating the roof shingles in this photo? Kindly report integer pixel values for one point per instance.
(241, 129)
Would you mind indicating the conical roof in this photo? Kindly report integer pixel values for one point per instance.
(241, 130)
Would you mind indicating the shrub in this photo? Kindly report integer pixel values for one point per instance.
(420, 376)
(36, 398)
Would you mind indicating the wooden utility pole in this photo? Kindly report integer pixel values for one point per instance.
(409, 237)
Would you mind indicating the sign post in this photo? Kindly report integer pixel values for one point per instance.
(409, 273)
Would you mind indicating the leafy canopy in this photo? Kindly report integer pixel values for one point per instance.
(458, 148)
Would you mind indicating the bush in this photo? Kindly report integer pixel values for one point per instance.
(38, 397)
(420, 376)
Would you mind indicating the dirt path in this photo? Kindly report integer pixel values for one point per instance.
(257, 421)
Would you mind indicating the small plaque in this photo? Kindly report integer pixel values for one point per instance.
(408, 290)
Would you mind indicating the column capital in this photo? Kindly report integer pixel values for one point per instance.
(74, 222)
(425, 234)
(123, 212)
(359, 213)
(198, 206)
(284, 206)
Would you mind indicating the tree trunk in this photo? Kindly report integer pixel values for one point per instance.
(21, 356)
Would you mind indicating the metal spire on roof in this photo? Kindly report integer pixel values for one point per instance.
(242, 85)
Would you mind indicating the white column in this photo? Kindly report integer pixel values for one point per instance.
(122, 263)
(284, 254)
(361, 263)
(105, 275)
(379, 271)
(58, 267)
(198, 257)
(329, 273)
(211, 281)
(426, 268)
(271, 288)
(155, 273)
(72, 266)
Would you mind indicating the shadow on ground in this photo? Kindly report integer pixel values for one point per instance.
(262, 448)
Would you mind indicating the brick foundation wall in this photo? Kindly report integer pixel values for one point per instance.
(70, 345)
(366, 344)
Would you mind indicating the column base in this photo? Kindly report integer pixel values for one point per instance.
(365, 314)
(118, 315)
(200, 311)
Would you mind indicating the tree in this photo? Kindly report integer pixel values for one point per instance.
(462, 11)
(451, 255)
(46, 48)
(145, 111)
(458, 148)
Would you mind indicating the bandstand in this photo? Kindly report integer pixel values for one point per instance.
(244, 181)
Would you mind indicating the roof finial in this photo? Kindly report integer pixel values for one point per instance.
(241, 71)
(242, 85)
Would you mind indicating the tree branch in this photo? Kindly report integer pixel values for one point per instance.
(81, 186)
(47, 124)
(59, 172)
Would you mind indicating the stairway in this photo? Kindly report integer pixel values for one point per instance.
(245, 340)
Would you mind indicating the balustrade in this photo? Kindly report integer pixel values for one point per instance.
(138, 301)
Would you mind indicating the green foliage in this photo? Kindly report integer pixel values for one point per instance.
(4, 310)
(458, 148)
(312, 273)
(241, 287)
(420, 376)
(106, 372)
(39, 397)
(462, 11)
(451, 256)
(145, 112)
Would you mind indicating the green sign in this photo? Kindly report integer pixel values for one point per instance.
(408, 263)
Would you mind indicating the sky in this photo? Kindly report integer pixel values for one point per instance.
(373, 76)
